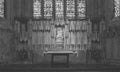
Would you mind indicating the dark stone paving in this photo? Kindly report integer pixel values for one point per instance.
(48, 68)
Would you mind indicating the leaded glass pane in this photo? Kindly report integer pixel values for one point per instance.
(59, 8)
(2, 8)
(70, 12)
(117, 7)
(37, 8)
(48, 8)
(81, 8)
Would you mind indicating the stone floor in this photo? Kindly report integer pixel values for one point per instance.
(48, 68)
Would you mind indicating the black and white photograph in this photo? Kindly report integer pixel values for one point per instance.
(59, 35)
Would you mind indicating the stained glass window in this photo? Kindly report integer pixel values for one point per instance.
(70, 12)
(59, 8)
(117, 7)
(48, 8)
(2, 8)
(37, 8)
(81, 8)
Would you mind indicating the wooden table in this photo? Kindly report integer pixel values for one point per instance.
(60, 53)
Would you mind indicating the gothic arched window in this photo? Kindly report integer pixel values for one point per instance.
(81, 8)
(59, 8)
(74, 8)
(70, 11)
(2, 8)
(117, 7)
(37, 9)
(48, 8)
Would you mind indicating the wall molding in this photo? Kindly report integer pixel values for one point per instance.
(113, 61)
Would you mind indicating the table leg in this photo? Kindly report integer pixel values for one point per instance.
(52, 60)
(66, 62)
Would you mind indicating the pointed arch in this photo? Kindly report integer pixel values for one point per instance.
(2, 8)
(37, 9)
(117, 8)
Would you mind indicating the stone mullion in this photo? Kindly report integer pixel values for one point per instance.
(65, 9)
(42, 8)
(76, 11)
(53, 13)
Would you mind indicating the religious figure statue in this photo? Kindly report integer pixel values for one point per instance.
(59, 35)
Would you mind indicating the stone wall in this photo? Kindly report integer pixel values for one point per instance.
(6, 34)
(96, 10)
(113, 41)
(5, 45)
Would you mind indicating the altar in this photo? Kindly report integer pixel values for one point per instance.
(57, 54)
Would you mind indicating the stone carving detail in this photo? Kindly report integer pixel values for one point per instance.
(114, 28)
(59, 35)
